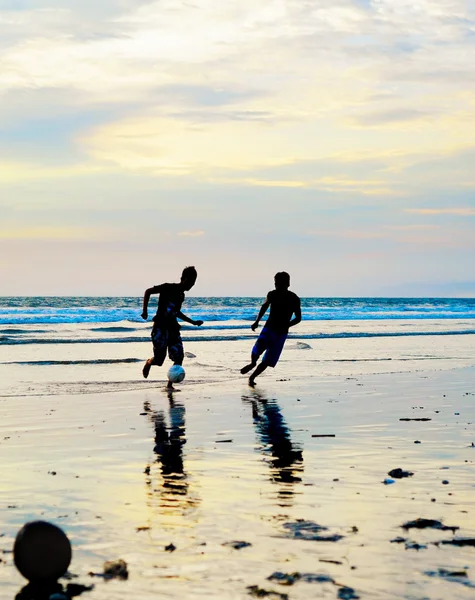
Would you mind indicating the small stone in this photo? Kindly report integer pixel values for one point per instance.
(400, 473)
(237, 545)
(115, 569)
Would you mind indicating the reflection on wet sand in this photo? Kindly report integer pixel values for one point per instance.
(286, 464)
(167, 479)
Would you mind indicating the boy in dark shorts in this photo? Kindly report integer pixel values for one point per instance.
(283, 304)
(166, 330)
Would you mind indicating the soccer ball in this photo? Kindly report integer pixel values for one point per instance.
(176, 373)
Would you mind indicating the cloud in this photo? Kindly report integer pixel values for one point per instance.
(198, 233)
(463, 212)
(395, 116)
(47, 233)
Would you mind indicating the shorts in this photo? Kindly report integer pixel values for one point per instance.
(167, 339)
(272, 343)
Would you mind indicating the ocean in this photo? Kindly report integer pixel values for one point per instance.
(108, 333)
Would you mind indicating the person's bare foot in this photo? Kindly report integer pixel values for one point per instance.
(247, 368)
(146, 369)
(170, 387)
(252, 382)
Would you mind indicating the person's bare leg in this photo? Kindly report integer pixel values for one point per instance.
(260, 369)
(248, 367)
(146, 367)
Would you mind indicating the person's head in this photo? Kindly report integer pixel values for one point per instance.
(282, 280)
(188, 278)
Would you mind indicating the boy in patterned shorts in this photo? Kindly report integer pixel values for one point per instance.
(166, 330)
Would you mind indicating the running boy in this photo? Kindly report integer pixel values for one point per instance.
(283, 304)
(166, 330)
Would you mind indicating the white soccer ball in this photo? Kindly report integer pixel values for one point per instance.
(176, 373)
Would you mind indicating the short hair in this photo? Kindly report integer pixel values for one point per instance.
(282, 279)
(189, 273)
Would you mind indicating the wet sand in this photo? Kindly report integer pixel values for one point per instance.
(295, 468)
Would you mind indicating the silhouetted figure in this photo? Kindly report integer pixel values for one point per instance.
(166, 330)
(283, 305)
(275, 437)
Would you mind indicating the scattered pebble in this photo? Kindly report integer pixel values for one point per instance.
(115, 569)
(170, 548)
(237, 545)
(347, 593)
(291, 578)
(459, 576)
(400, 473)
(258, 592)
(460, 542)
(415, 546)
(308, 530)
(429, 524)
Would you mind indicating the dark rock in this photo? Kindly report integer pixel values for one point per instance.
(308, 530)
(459, 576)
(347, 593)
(460, 542)
(258, 592)
(429, 524)
(400, 473)
(415, 546)
(291, 578)
(237, 545)
(116, 569)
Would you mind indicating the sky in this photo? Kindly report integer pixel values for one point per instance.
(334, 141)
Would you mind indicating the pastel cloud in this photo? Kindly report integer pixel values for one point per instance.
(198, 233)
(462, 212)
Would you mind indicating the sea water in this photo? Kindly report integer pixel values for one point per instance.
(52, 345)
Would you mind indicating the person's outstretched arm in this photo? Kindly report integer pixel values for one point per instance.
(262, 312)
(298, 315)
(183, 317)
(146, 297)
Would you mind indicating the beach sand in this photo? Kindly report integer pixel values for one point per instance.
(128, 472)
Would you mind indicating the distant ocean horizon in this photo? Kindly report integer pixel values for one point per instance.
(32, 310)
(54, 340)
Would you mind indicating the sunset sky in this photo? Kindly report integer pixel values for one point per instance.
(334, 140)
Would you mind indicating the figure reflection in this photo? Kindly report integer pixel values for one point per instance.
(286, 462)
(167, 479)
